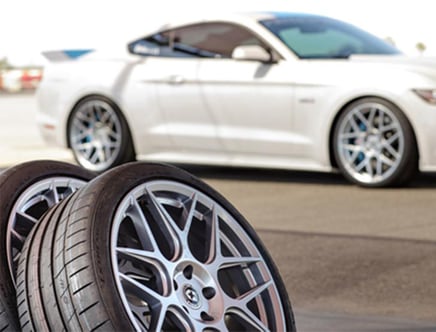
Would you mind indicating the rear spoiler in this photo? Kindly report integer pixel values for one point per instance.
(65, 55)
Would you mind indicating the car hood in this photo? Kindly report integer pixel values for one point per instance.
(419, 64)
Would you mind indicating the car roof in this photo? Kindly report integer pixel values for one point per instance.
(232, 17)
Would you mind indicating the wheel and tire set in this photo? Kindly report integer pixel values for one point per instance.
(374, 144)
(145, 247)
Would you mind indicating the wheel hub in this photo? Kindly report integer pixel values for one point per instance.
(373, 144)
(101, 132)
(197, 292)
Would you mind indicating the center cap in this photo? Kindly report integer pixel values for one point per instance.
(191, 297)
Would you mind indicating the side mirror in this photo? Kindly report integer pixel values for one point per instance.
(252, 52)
(142, 47)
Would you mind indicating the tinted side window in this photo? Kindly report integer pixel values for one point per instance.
(216, 40)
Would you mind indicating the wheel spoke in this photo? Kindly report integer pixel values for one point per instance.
(167, 224)
(369, 168)
(391, 139)
(362, 164)
(30, 220)
(355, 126)
(214, 251)
(352, 158)
(386, 160)
(143, 231)
(85, 146)
(349, 135)
(191, 205)
(254, 292)
(155, 301)
(371, 117)
(101, 154)
(106, 118)
(360, 116)
(392, 151)
(52, 195)
(94, 157)
(379, 166)
(153, 298)
(114, 135)
(228, 262)
(80, 125)
(141, 255)
(390, 127)
(250, 319)
(84, 116)
(17, 240)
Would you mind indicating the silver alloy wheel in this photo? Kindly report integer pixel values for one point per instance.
(28, 209)
(181, 261)
(370, 142)
(95, 135)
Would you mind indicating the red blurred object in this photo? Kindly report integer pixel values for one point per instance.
(15, 80)
(30, 78)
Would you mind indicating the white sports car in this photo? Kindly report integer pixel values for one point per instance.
(276, 90)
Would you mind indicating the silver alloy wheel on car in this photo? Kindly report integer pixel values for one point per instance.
(95, 135)
(182, 261)
(370, 142)
(29, 207)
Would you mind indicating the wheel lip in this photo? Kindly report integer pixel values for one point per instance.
(23, 199)
(268, 266)
(116, 121)
(366, 179)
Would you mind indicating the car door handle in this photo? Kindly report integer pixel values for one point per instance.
(176, 79)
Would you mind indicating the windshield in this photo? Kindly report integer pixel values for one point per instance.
(316, 37)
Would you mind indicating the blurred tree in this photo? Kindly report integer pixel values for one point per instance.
(421, 47)
(390, 40)
(4, 64)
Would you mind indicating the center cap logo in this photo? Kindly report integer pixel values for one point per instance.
(191, 297)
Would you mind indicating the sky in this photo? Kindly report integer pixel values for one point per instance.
(28, 27)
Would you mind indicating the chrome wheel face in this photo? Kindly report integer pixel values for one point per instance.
(182, 262)
(29, 208)
(370, 143)
(95, 135)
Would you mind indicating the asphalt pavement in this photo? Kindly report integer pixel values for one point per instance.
(352, 259)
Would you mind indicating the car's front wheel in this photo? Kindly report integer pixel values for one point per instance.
(98, 135)
(374, 144)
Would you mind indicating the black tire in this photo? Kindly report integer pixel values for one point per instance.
(95, 238)
(49, 182)
(374, 144)
(98, 135)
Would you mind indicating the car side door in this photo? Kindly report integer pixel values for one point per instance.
(173, 68)
(250, 96)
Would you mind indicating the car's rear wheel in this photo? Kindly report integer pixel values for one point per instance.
(27, 191)
(98, 135)
(374, 144)
(149, 247)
